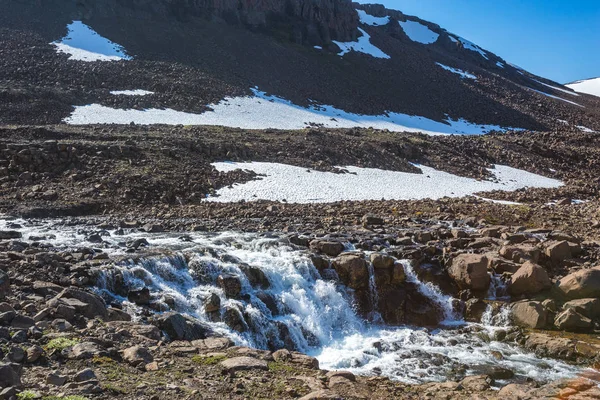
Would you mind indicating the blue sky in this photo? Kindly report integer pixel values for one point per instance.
(556, 39)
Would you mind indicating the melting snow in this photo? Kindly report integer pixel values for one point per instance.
(555, 97)
(84, 44)
(499, 64)
(363, 45)
(585, 129)
(369, 19)
(418, 32)
(300, 185)
(556, 88)
(469, 46)
(136, 92)
(457, 71)
(589, 86)
(262, 111)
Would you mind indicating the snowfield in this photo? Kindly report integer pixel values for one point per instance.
(556, 88)
(262, 111)
(457, 71)
(469, 46)
(588, 86)
(300, 185)
(368, 19)
(362, 45)
(555, 97)
(418, 32)
(82, 43)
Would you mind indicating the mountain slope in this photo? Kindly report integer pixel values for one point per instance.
(194, 54)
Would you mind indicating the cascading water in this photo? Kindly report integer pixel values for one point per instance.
(374, 315)
(445, 302)
(285, 302)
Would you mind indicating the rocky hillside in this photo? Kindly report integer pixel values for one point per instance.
(322, 53)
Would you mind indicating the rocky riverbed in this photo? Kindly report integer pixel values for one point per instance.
(425, 309)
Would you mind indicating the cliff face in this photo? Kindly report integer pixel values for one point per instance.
(302, 21)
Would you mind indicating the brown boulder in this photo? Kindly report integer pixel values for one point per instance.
(586, 307)
(529, 279)
(520, 253)
(469, 271)
(352, 270)
(330, 248)
(581, 284)
(571, 321)
(529, 314)
(558, 250)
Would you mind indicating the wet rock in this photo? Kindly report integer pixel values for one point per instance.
(529, 279)
(244, 364)
(137, 355)
(529, 314)
(558, 251)
(571, 321)
(256, 276)
(212, 303)
(320, 263)
(352, 270)
(7, 235)
(581, 284)
(231, 285)
(179, 327)
(469, 271)
(474, 309)
(398, 275)
(234, 319)
(153, 228)
(330, 248)
(140, 297)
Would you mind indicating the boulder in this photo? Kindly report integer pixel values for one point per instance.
(382, 261)
(520, 253)
(371, 220)
(4, 284)
(474, 309)
(212, 303)
(529, 314)
(140, 297)
(256, 276)
(244, 363)
(558, 251)
(571, 321)
(581, 284)
(34, 353)
(587, 307)
(179, 327)
(231, 285)
(352, 270)
(137, 355)
(85, 350)
(7, 235)
(330, 248)
(469, 271)
(529, 279)
(85, 375)
(9, 376)
(89, 305)
(477, 383)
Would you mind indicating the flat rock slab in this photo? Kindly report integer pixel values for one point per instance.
(244, 364)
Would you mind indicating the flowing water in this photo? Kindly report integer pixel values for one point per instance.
(300, 309)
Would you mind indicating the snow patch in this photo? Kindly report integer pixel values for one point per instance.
(588, 86)
(362, 45)
(281, 182)
(369, 19)
(82, 43)
(136, 92)
(457, 71)
(555, 97)
(585, 129)
(418, 32)
(556, 88)
(499, 64)
(469, 46)
(262, 111)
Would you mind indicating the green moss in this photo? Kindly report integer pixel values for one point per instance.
(281, 367)
(114, 389)
(208, 360)
(27, 395)
(100, 360)
(60, 344)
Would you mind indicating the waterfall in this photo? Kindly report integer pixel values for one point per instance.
(374, 315)
(445, 302)
(498, 288)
